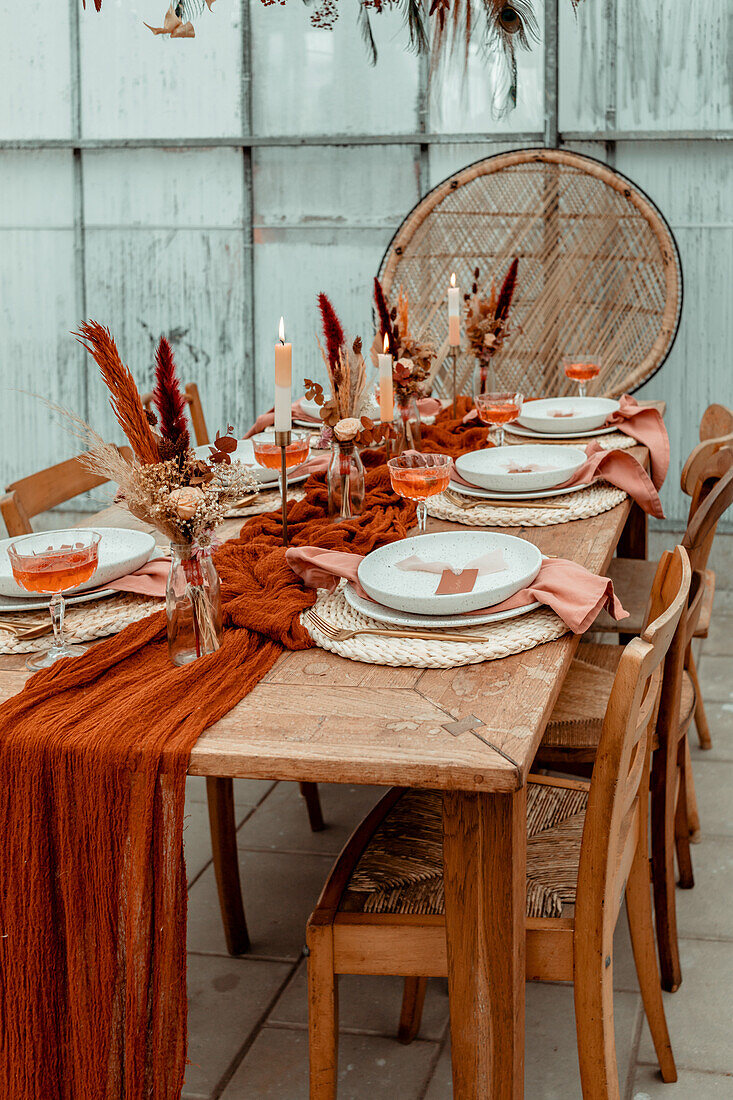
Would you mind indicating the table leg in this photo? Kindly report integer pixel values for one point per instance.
(633, 542)
(484, 871)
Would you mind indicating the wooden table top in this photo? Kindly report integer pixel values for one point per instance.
(319, 717)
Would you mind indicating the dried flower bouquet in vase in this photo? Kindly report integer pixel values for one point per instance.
(166, 485)
(343, 413)
(487, 325)
(412, 361)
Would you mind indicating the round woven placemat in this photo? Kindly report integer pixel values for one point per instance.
(85, 622)
(614, 441)
(504, 638)
(588, 502)
(267, 500)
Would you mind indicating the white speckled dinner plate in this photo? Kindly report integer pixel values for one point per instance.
(382, 614)
(506, 498)
(414, 591)
(541, 437)
(586, 414)
(490, 468)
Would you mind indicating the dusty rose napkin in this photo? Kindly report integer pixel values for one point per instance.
(646, 426)
(149, 580)
(455, 581)
(618, 468)
(573, 593)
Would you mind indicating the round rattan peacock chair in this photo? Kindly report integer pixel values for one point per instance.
(599, 269)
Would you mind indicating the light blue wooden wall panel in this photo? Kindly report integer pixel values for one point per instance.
(36, 70)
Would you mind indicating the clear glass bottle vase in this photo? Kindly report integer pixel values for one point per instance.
(193, 605)
(484, 378)
(407, 425)
(346, 487)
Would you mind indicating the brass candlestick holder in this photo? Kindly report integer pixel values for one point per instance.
(283, 441)
(453, 353)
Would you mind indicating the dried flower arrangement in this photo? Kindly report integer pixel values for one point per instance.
(412, 358)
(343, 412)
(487, 319)
(177, 20)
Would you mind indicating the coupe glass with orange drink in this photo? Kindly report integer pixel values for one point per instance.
(419, 476)
(52, 563)
(499, 409)
(268, 453)
(581, 369)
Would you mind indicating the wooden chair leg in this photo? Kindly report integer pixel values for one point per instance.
(641, 927)
(682, 824)
(309, 792)
(593, 989)
(701, 719)
(413, 999)
(322, 1013)
(664, 791)
(693, 816)
(223, 826)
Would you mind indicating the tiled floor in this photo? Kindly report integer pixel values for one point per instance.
(247, 1016)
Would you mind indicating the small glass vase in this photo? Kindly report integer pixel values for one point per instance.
(407, 425)
(193, 605)
(484, 378)
(346, 488)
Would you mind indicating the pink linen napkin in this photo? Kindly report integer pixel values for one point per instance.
(149, 580)
(646, 425)
(618, 468)
(267, 419)
(573, 593)
(454, 581)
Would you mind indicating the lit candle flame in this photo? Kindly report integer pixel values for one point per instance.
(453, 279)
(281, 331)
(386, 343)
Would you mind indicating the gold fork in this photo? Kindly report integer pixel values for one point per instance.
(339, 634)
(23, 631)
(467, 505)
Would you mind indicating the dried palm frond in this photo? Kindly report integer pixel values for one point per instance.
(125, 397)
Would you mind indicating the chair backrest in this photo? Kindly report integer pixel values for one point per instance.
(195, 410)
(716, 431)
(599, 269)
(618, 799)
(712, 497)
(46, 489)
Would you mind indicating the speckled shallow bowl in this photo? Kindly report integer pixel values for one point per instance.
(489, 469)
(415, 591)
(587, 413)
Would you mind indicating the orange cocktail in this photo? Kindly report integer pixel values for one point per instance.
(581, 371)
(269, 454)
(419, 476)
(54, 562)
(499, 409)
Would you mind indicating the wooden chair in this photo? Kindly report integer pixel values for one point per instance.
(632, 577)
(573, 736)
(599, 269)
(195, 411)
(382, 909)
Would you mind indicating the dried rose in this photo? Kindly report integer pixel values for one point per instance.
(347, 429)
(403, 369)
(186, 501)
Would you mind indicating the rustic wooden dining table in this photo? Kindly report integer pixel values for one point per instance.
(471, 732)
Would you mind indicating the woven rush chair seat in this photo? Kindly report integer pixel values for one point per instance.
(401, 868)
(577, 718)
(599, 269)
(632, 582)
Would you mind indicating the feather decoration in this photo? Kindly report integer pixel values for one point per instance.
(169, 401)
(504, 301)
(385, 321)
(333, 332)
(125, 397)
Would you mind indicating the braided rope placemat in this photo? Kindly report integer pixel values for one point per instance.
(86, 622)
(597, 498)
(614, 441)
(505, 638)
(267, 500)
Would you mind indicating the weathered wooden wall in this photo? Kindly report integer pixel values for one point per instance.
(202, 188)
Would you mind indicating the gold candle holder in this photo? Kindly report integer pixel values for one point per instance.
(283, 441)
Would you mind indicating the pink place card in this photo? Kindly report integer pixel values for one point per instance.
(456, 584)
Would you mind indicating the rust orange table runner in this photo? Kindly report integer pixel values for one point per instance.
(93, 761)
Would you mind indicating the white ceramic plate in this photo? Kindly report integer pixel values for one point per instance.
(120, 552)
(382, 614)
(310, 408)
(526, 433)
(587, 414)
(507, 498)
(10, 604)
(489, 469)
(246, 455)
(415, 590)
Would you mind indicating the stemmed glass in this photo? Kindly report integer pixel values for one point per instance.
(419, 476)
(268, 453)
(54, 562)
(581, 371)
(499, 409)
